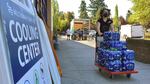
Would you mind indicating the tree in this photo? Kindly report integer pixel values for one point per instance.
(61, 15)
(116, 20)
(61, 20)
(55, 14)
(97, 14)
(132, 19)
(95, 7)
(141, 12)
(63, 25)
(83, 10)
(64, 20)
(129, 13)
(69, 16)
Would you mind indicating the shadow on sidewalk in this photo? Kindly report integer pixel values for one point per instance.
(77, 61)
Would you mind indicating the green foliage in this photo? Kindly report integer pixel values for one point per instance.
(61, 20)
(65, 19)
(116, 19)
(69, 16)
(83, 10)
(62, 25)
(129, 13)
(141, 12)
(95, 7)
(55, 14)
(94, 20)
(132, 19)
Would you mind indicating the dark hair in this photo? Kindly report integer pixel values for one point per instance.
(102, 11)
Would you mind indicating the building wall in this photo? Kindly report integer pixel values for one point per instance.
(78, 25)
(49, 20)
(43, 8)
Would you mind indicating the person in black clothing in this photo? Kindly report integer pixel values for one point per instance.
(81, 34)
(104, 24)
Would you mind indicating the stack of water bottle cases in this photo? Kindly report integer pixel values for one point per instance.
(114, 55)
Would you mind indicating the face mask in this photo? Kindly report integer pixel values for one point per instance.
(105, 14)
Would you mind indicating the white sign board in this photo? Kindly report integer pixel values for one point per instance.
(49, 53)
(28, 61)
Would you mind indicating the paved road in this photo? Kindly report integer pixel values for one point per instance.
(77, 62)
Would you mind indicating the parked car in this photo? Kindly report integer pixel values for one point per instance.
(63, 33)
(92, 32)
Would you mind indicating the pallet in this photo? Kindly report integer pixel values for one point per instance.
(127, 73)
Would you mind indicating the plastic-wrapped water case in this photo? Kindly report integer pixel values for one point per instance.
(101, 56)
(128, 55)
(100, 52)
(113, 55)
(111, 36)
(102, 62)
(124, 45)
(128, 65)
(107, 36)
(116, 36)
(115, 66)
(113, 45)
(103, 44)
(116, 45)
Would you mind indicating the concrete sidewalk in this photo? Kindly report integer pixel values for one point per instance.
(77, 62)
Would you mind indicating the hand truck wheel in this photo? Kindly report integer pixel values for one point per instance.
(128, 75)
(111, 76)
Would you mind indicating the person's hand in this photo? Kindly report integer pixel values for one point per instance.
(100, 34)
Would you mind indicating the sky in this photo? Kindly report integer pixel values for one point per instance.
(73, 6)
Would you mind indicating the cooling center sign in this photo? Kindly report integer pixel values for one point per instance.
(23, 41)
